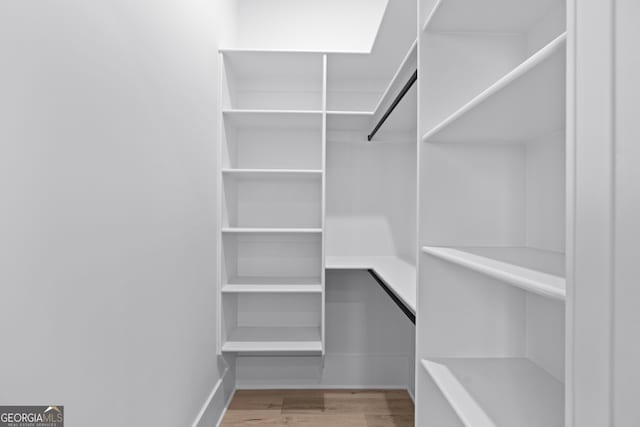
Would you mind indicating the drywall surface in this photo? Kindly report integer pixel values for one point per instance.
(107, 169)
(328, 25)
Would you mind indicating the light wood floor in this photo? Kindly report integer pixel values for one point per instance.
(320, 408)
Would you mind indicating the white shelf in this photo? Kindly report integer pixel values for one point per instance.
(271, 289)
(292, 119)
(274, 280)
(534, 270)
(407, 67)
(396, 272)
(349, 120)
(488, 16)
(269, 339)
(273, 284)
(496, 392)
(239, 230)
(273, 173)
(526, 103)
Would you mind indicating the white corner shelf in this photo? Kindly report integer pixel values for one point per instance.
(274, 280)
(273, 340)
(496, 392)
(526, 103)
(293, 119)
(462, 16)
(273, 284)
(272, 173)
(239, 230)
(534, 270)
(272, 289)
(397, 273)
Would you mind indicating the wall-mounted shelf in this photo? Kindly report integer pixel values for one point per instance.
(240, 230)
(273, 280)
(491, 116)
(273, 339)
(533, 270)
(273, 173)
(271, 289)
(495, 392)
(396, 272)
(401, 85)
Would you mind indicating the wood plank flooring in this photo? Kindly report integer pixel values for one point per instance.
(320, 408)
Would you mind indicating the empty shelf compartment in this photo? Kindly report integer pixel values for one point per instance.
(263, 322)
(496, 392)
(272, 200)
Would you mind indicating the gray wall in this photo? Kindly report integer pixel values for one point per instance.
(107, 215)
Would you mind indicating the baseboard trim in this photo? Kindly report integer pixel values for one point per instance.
(318, 387)
(216, 403)
(226, 406)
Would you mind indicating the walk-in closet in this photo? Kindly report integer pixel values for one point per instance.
(344, 213)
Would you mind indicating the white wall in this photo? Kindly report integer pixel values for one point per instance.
(328, 25)
(107, 168)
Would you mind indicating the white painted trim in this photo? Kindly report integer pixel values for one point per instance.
(319, 387)
(217, 388)
(226, 406)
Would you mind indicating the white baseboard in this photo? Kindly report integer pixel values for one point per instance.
(215, 406)
(226, 406)
(320, 387)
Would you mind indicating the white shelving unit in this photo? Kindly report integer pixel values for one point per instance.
(491, 229)
(272, 202)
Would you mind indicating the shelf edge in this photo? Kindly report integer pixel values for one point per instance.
(542, 283)
(529, 64)
(462, 403)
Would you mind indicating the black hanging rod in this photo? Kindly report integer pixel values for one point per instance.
(395, 103)
(394, 297)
